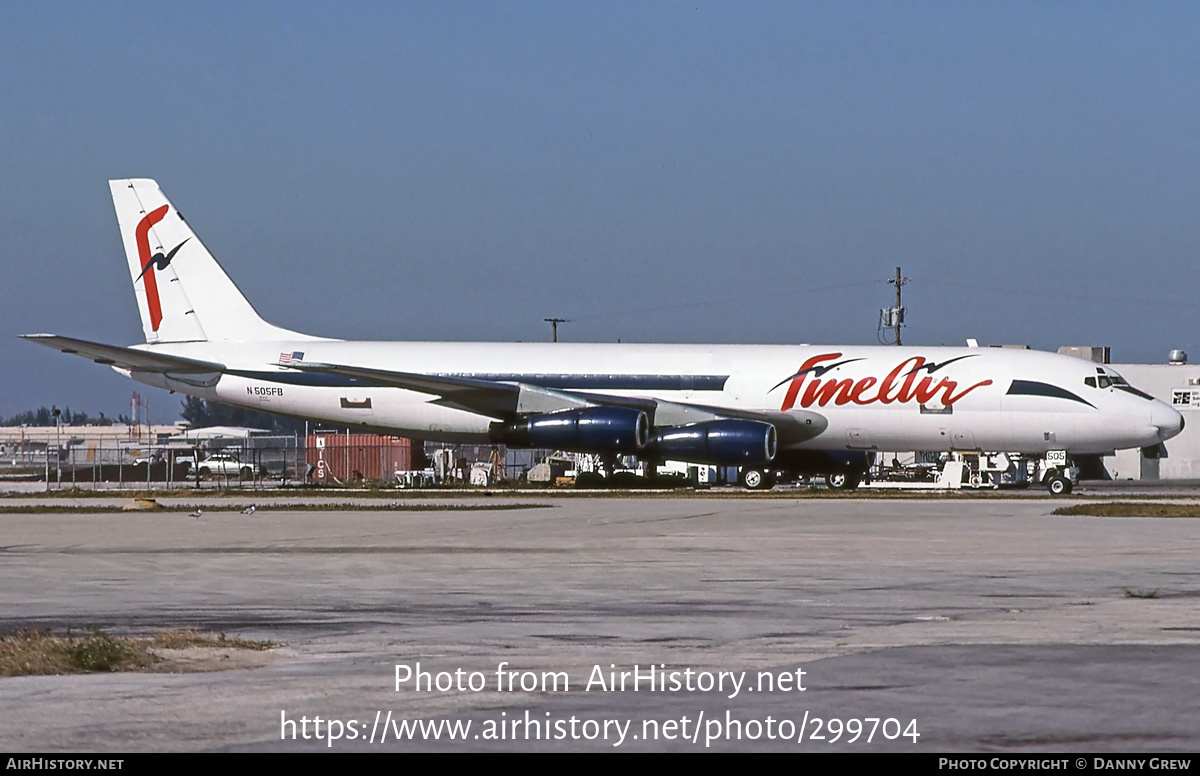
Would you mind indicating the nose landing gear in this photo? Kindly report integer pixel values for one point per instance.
(1057, 473)
(1058, 485)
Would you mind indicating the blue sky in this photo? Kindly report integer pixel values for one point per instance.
(691, 172)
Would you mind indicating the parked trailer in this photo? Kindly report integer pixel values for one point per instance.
(954, 471)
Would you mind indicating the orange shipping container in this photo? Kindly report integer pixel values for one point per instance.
(357, 457)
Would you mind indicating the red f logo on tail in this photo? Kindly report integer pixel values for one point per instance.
(143, 245)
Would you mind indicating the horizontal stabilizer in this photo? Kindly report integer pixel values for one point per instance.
(132, 359)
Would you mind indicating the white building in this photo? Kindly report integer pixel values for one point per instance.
(1178, 384)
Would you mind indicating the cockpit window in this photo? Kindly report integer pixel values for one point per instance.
(1130, 389)
(1121, 384)
(1105, 379)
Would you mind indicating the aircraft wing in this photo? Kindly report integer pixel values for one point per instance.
(484, 397)
(131, 359)
(505, 400)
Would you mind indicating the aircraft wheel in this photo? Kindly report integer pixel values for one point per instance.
(757, 479)
(590, 481)
(843, 480)
(1058, 486)
(625, 481)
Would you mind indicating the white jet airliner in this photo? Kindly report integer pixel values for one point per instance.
(802, 408)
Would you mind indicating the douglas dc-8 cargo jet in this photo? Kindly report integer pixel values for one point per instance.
(801, 408)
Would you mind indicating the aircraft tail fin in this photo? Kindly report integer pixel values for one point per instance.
(183, 295)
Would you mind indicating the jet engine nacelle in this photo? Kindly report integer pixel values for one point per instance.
(719, 442)
(588, 430)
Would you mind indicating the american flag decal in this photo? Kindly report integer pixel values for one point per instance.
(287, 358)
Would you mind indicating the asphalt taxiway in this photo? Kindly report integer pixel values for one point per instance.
(989, 624)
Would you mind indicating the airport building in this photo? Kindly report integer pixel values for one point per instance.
(25, 445)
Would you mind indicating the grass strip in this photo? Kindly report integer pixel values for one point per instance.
(39, 652)
(1131, 509)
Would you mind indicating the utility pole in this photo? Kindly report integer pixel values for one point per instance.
(554, 326)
(895, 316)
(54, 411)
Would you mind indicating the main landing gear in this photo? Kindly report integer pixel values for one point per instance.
(844, 480)
(758, 479)
(765, 479)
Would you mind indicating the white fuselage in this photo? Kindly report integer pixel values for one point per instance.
(872, 398)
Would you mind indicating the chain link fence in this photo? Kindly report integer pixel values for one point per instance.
(333, 459)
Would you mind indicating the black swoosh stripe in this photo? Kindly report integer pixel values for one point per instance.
(932, 366)
(160, 262)
(1134, 391)
(1034, 388)
(818, 371)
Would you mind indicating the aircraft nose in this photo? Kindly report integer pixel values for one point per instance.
(1166, 419)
